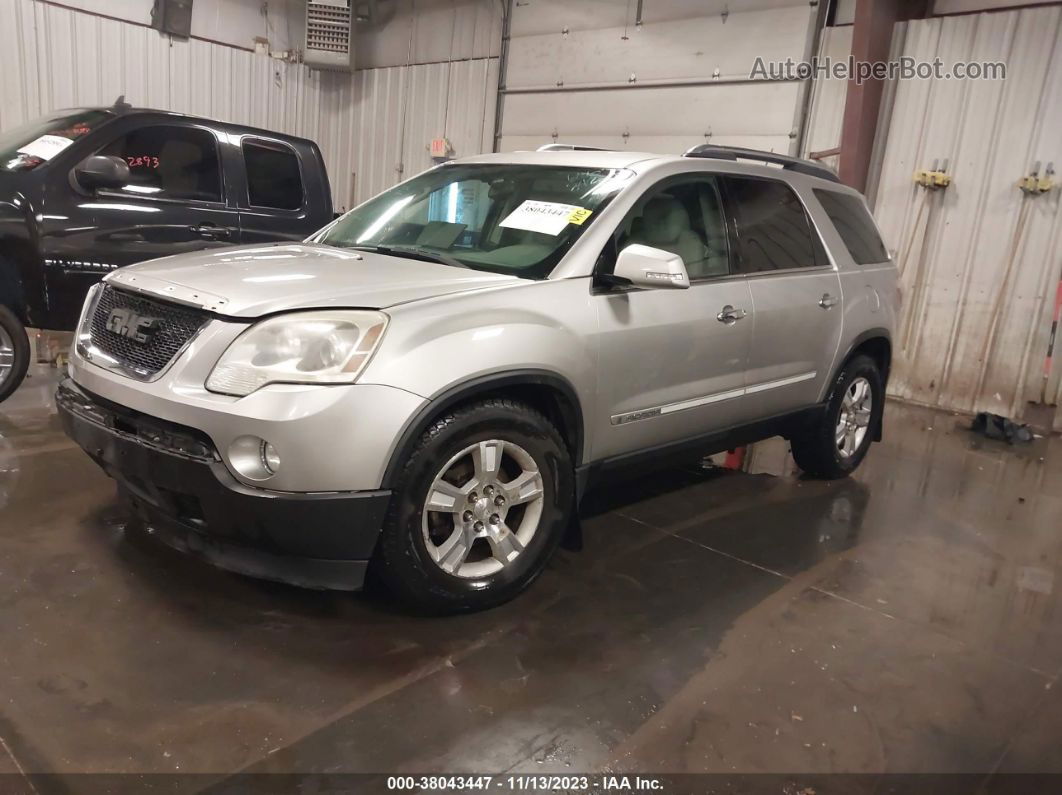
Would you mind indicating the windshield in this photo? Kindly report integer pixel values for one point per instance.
(511, 219)
(26, 147)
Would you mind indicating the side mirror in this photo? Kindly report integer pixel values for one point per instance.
(651, 268)
(101, 171)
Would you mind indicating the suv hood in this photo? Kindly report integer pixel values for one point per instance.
(250, 281)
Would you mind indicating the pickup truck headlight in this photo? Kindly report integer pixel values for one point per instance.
(328, 347)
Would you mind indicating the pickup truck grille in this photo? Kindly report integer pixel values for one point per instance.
(140, 334)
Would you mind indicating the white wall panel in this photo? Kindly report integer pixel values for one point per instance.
(980, 261)
(828, 98)
(373, 126)
(586, 73)
(942, 7)
(379, 125)
(845, 12)
(235, 22)
(429, 31)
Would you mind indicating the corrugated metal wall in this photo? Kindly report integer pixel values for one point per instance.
(980, 261)
(374, 126)
(677, 80)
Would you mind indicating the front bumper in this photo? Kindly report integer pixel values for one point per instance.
(336, 438)
(188, 498)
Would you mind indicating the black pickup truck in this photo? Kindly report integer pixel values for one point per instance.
(87, 190)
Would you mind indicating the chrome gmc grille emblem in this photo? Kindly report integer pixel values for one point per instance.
(127, 323)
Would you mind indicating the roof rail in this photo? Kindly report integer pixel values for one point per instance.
(571, 148)
(799, 165)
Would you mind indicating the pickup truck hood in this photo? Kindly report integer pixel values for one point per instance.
(251, 281)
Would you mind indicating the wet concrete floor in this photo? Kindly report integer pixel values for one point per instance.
(905, 620)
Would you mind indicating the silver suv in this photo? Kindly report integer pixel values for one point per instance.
(425, 388)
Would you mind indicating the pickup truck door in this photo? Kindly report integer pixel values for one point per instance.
(272, 192)
(796, 295)
(175, 201)
(672, 362)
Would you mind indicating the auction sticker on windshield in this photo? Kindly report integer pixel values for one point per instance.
(548, 218)
(46, 147)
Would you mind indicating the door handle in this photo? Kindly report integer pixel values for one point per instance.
(211, 231)
(730, 316)
(828, 301)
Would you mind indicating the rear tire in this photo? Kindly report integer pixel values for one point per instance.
(14, 353)
(478, 510)
(836, 446)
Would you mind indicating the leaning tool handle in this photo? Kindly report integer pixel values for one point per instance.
(1051, 342)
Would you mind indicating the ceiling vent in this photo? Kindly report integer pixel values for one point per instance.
(329, 35)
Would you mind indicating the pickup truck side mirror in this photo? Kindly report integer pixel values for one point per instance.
(101, 171)
(651, 268)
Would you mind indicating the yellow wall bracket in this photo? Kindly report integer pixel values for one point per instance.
(934, 180)
(1035, 184)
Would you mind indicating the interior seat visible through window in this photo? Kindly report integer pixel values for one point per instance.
(170, 162)
(665, 224)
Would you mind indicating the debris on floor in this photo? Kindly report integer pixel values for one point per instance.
(993, 426)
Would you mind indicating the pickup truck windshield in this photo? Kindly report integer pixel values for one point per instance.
(26, 147)
(511, 219)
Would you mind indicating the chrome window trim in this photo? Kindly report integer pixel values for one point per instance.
(789, 271)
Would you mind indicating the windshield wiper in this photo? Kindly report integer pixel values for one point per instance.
(413, 253)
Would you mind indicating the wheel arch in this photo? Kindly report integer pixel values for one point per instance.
(875, 343)
(546, 391)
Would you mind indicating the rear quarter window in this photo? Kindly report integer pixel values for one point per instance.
(854, 224)
(273, 177)
(773, 230)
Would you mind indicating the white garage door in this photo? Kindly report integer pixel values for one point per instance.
(587, 73)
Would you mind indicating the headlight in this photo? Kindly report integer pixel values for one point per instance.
(301, 348)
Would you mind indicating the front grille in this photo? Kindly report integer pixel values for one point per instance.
(166, 329)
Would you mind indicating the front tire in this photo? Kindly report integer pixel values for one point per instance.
(478, 510)
(836, 446)
(14, 353)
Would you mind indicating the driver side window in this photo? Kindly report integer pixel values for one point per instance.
(170, 162)
(683, 216)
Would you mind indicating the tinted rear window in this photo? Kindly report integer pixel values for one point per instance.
(773, 230)
(854, 225)
(273, 177)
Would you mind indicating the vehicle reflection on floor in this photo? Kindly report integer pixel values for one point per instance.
(905, 619)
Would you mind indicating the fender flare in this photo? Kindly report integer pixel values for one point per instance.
(869, 334)
(482, 385)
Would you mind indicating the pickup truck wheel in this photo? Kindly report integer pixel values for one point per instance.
(14, 353)
(838, 444)
(478, 510)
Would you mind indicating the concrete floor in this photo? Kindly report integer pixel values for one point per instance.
(905, 620)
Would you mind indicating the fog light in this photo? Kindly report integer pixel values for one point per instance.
(254, 458)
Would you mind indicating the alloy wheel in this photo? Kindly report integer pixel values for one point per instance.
(7, 356)
(854, 419)
(483, 508)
